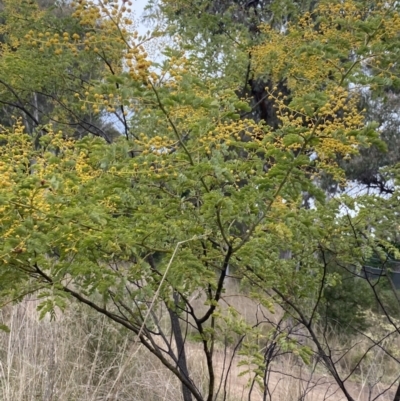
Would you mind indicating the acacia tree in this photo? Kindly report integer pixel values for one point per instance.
(44, 67)
(190, 191)
(226, 31)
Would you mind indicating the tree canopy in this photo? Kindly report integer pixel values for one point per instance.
(190, 185)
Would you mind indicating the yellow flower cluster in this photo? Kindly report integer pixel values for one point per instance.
(174, 70)
(138, 64)
(329, 129)
(227, 133)
(98, 101)
(157, 145)
(14, 154)
(333, 25)
(97, 14)
(107, 31)
(84, 170)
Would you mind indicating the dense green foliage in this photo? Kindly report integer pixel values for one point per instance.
(203, 178)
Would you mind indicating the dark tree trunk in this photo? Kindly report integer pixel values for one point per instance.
(180, 345)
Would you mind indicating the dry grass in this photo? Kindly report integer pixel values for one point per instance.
(82, 356)
(77, 357)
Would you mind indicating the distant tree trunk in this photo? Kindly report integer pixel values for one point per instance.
(180, 345)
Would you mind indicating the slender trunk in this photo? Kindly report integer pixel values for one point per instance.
(180, 345)
(397, 396)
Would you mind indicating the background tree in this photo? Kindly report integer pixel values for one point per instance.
(225, 31)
